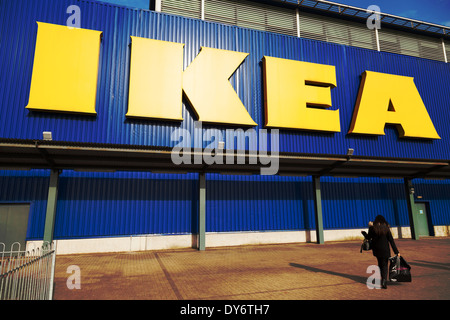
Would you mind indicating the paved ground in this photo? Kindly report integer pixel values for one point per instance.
(332, 271)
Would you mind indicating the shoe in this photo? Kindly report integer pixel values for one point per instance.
(384, 284)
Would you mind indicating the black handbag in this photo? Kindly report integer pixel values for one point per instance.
(366, 245)
(399, 270)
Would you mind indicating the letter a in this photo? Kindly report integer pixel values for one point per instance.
(391, 99)
(74, 280)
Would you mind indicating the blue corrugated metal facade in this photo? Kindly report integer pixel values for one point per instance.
(118, 24)
(94, 205)
(127, 203)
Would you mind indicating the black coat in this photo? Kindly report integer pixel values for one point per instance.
(380, 243)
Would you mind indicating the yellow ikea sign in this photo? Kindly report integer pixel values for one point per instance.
(297, 95)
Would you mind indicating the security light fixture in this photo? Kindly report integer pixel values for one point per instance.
(47, 135)
(350, 152)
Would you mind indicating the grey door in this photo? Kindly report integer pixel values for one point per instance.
(13, 225)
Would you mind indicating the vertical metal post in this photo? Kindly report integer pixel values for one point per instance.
(411, 208)
(51, 206)
(445, 51)
(52, 271)
(202, 12)
(318, 209)
(157, 4)
(201, 211)
(377, 38)
(297, 19)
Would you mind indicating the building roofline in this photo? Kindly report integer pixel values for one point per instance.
(350, 12)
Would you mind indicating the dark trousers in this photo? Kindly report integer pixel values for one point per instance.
(383, 265)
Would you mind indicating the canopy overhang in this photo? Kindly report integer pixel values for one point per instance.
(41, 154)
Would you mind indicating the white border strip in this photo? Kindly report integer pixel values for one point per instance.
(164, 242)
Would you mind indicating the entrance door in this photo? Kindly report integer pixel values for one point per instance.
(422, 219)
(13, 225)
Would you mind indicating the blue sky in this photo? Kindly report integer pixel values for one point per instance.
(434, 11)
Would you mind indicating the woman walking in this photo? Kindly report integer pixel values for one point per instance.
(380, 237)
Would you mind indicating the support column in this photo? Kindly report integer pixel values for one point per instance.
(51, 206)
(201, 211)
(411, 209)
(318, 209)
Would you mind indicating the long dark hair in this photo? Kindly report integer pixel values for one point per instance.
(380, 225)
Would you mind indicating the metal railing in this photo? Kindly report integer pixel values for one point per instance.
(27, 274)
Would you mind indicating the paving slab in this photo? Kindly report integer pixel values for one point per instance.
(303, 271)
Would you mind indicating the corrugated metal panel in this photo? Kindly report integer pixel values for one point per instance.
(126, 203)
(353, 202)
(336, 31)
(429, 76)
(186, 8)
(258, 203)
(106, 204)
(112, 204)
(118, 24)
(121, 204)
(411, 44)
(246, 14)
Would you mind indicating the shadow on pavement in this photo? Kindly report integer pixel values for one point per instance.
(429, 264)
(344, 275)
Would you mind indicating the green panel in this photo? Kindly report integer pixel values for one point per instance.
(411, 208)
(422, 220)
(318, 209)
(201, 211)
(13, 225)
(4, 209)
(51, 206)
